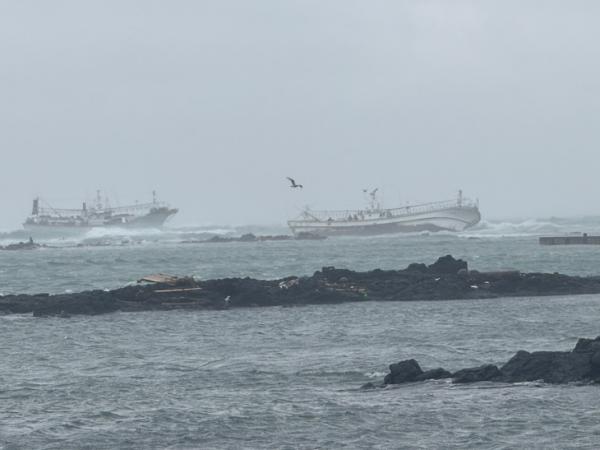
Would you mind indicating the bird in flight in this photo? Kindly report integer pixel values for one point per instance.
(294, 185)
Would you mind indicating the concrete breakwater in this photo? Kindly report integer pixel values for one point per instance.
(446, 279)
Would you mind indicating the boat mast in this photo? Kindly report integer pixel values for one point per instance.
(374, 204)
(98, 200)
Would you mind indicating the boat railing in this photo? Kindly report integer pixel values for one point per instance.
(381, 213)
(138, 207)
(58, 212)
(62, 212)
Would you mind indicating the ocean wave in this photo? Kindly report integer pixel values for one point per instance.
(375, 374)
(122, 236)
(532, 227)
(100, 232)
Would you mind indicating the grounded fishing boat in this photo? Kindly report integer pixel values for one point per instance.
(451, 215)
(146, 215)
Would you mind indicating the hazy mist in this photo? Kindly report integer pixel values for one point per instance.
(214, 103)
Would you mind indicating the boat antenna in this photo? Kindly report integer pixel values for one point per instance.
(373, 195)
(98, 199)
(154, 197)
(460, 198)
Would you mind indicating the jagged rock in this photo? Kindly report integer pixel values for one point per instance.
(448, 265)
(551, 367)
(434, 374)
(585, 345)
(29, 245)
(403, 372)
(580, 365)
(417, 267)
(487, 372)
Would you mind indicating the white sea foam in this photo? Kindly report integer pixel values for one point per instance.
(485, 229)
(101, 232)
(532, 227)
(375, 374)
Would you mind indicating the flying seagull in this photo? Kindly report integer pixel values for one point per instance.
(294, 185)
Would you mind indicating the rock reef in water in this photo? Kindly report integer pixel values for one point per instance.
(582, 364)
(446, 279)
(250, 237)
(29, 245)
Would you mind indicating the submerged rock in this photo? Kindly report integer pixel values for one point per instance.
(582, 364)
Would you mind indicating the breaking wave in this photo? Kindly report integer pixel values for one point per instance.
(534, 227)
(124, 236)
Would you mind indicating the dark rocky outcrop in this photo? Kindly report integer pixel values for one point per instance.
(29, 245)
(434, 374)
(551, 367)
(448, 265)
(403, 372)
(250, 237)
(582, 364)
(409, 371)
(446, 279)
(487, 372)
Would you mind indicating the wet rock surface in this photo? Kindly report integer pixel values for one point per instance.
(487, 372)
(403, 372)
(582, 364)
(446, 279)
(29, 245)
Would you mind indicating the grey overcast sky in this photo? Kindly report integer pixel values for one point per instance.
(213, 103)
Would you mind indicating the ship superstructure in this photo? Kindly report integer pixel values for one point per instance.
(450, 215)
(100, 214)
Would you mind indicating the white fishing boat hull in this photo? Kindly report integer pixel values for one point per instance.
(154, 219)
(443, 216)
(146, 215)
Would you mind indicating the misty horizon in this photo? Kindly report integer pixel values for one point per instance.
(213, 104)
(113, 200)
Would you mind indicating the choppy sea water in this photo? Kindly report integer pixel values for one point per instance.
(288, 377)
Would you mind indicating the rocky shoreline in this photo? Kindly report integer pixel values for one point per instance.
(582, 364)
(446, 279)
